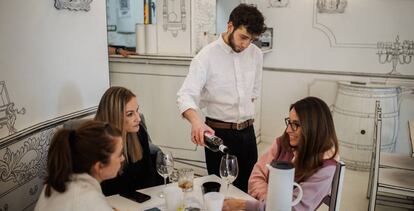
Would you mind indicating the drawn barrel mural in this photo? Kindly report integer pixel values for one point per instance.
(353, 114)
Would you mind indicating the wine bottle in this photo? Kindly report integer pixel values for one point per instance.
(214, 143)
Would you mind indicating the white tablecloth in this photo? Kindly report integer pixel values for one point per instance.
(124, 204)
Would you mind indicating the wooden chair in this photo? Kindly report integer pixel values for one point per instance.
(388, 185)
(333, 200)
(392, 160)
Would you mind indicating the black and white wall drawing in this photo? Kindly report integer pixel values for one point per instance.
(8, 114)
(23, 168)
(174, 16)
(73, 5)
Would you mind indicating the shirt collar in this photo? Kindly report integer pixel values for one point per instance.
(88, 179)
(224, 45)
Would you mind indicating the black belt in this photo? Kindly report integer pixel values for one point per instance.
(228, 125)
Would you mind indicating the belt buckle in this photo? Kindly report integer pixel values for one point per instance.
(240, 126)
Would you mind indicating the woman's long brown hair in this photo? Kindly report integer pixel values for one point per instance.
(76, 151)
(317, 137)
(112, 109)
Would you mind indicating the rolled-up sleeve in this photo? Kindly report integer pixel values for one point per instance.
(258, 76)
(189, 94)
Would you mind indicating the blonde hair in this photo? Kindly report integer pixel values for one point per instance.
(112, 109)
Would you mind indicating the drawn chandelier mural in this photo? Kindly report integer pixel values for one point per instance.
(8, 114)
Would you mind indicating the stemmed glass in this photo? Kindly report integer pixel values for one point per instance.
(165, 166)
(229, 169)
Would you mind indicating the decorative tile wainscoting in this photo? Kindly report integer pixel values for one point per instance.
(23, 160)
(22, 168)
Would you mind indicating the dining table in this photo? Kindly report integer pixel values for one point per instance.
(158, 203)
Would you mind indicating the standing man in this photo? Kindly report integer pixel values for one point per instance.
(223, 81)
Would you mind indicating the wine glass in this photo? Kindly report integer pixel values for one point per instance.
(165, 166)
(229, 169)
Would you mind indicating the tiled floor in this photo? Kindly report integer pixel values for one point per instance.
(354, 189)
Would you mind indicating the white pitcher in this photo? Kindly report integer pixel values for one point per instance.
(280, 188)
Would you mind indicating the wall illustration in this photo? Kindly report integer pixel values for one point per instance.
(23, 168)
(278, 3)
(73, 4)
(174, 16)
(184, 26)
(8, 114)
(354, 28)
(15, 165)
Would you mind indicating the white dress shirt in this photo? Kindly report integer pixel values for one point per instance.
(83, 193)
(223, 83)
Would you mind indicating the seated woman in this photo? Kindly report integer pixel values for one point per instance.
(78, 160)
(119, 106)
(310, 143)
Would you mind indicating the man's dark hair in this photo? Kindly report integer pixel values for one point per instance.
(248, 16)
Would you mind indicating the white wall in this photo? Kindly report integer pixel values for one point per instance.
(54, 64)
(306, 39)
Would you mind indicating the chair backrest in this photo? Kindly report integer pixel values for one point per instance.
(74, 124)
(375, 158)
(411, 129)
(334, 199)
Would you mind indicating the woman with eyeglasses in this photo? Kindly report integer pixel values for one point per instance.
(310, 143)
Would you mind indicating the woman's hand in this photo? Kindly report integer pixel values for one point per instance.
(234, 204)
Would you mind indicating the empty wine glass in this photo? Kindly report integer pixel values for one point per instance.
(229, 169)
(165, 166)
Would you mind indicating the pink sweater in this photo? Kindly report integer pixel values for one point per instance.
(315, 188)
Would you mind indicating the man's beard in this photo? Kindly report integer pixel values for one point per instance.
(231, 42)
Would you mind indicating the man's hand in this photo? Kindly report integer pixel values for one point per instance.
(198, 128)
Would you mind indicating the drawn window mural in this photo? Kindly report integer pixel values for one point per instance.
(8, 113)
(73, 4)
(174, 19)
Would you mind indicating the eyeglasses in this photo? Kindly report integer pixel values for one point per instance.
(293, 124)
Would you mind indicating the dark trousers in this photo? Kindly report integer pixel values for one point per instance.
(242, 144)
